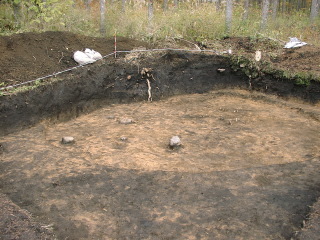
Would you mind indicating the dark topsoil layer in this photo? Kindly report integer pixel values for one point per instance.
(17, 223)
(31, 55)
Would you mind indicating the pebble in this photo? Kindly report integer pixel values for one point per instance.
(175, 142)
(1, 148)
(125, 121)
(123, 139)
(67, 140)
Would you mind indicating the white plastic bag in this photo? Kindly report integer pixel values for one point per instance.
(294, 43)
(93, 54)
(88, 56)
(82, 58)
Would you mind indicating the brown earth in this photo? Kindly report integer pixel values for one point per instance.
(29, 56)
(248, 167)
(32, 55)
(18, 224)
(299, 60)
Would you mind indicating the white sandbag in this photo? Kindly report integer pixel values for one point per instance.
(93, 54)
(82, 58)
(294, 43)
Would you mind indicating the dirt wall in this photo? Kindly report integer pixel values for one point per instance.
(121, 81)
(115, 81)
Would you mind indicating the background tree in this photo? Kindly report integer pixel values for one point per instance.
(16, 6)
(314, 10)
(246, 9)
(275, 4)
(265, 10)
(284, 6)
(165, 5)
(150, 11)
(123, 6)
(228, 16)
(176, 3)
(102, 18)
(87, 4)
(218, 5)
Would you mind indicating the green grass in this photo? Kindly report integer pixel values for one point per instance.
(194, 22)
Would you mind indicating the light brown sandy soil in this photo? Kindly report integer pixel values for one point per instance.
(248, 169)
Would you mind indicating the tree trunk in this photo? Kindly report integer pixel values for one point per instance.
(284, 6)
(176, 3)
(102, 18)
(16, 12)
(87, 4)
(228, 16)
(123, 7)
(165, 5)
(265, 10)
(299, 4)
(218, 5)
(314, 10)
(275, 5)
(246, 10)
(150, 11)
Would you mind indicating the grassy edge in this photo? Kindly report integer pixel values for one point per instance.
(253, 69)
(238, 62)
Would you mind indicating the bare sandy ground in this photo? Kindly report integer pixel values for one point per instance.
(247, 169)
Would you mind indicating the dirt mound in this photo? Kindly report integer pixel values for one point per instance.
(28, 56)
(311, 227)
(18, 224)
(303, 60)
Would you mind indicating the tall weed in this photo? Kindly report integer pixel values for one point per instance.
(197, 22)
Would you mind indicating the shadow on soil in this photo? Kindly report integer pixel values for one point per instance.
(171, 205)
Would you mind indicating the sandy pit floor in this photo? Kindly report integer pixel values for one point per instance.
(248, 168)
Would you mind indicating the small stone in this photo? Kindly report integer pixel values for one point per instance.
(123, 139)
(257, 57)
(1, 148)
(221, 70)
(175, 142)
(67, 140)
(144, 71)
(125, 121)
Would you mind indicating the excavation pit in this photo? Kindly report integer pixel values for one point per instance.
(248, 168)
